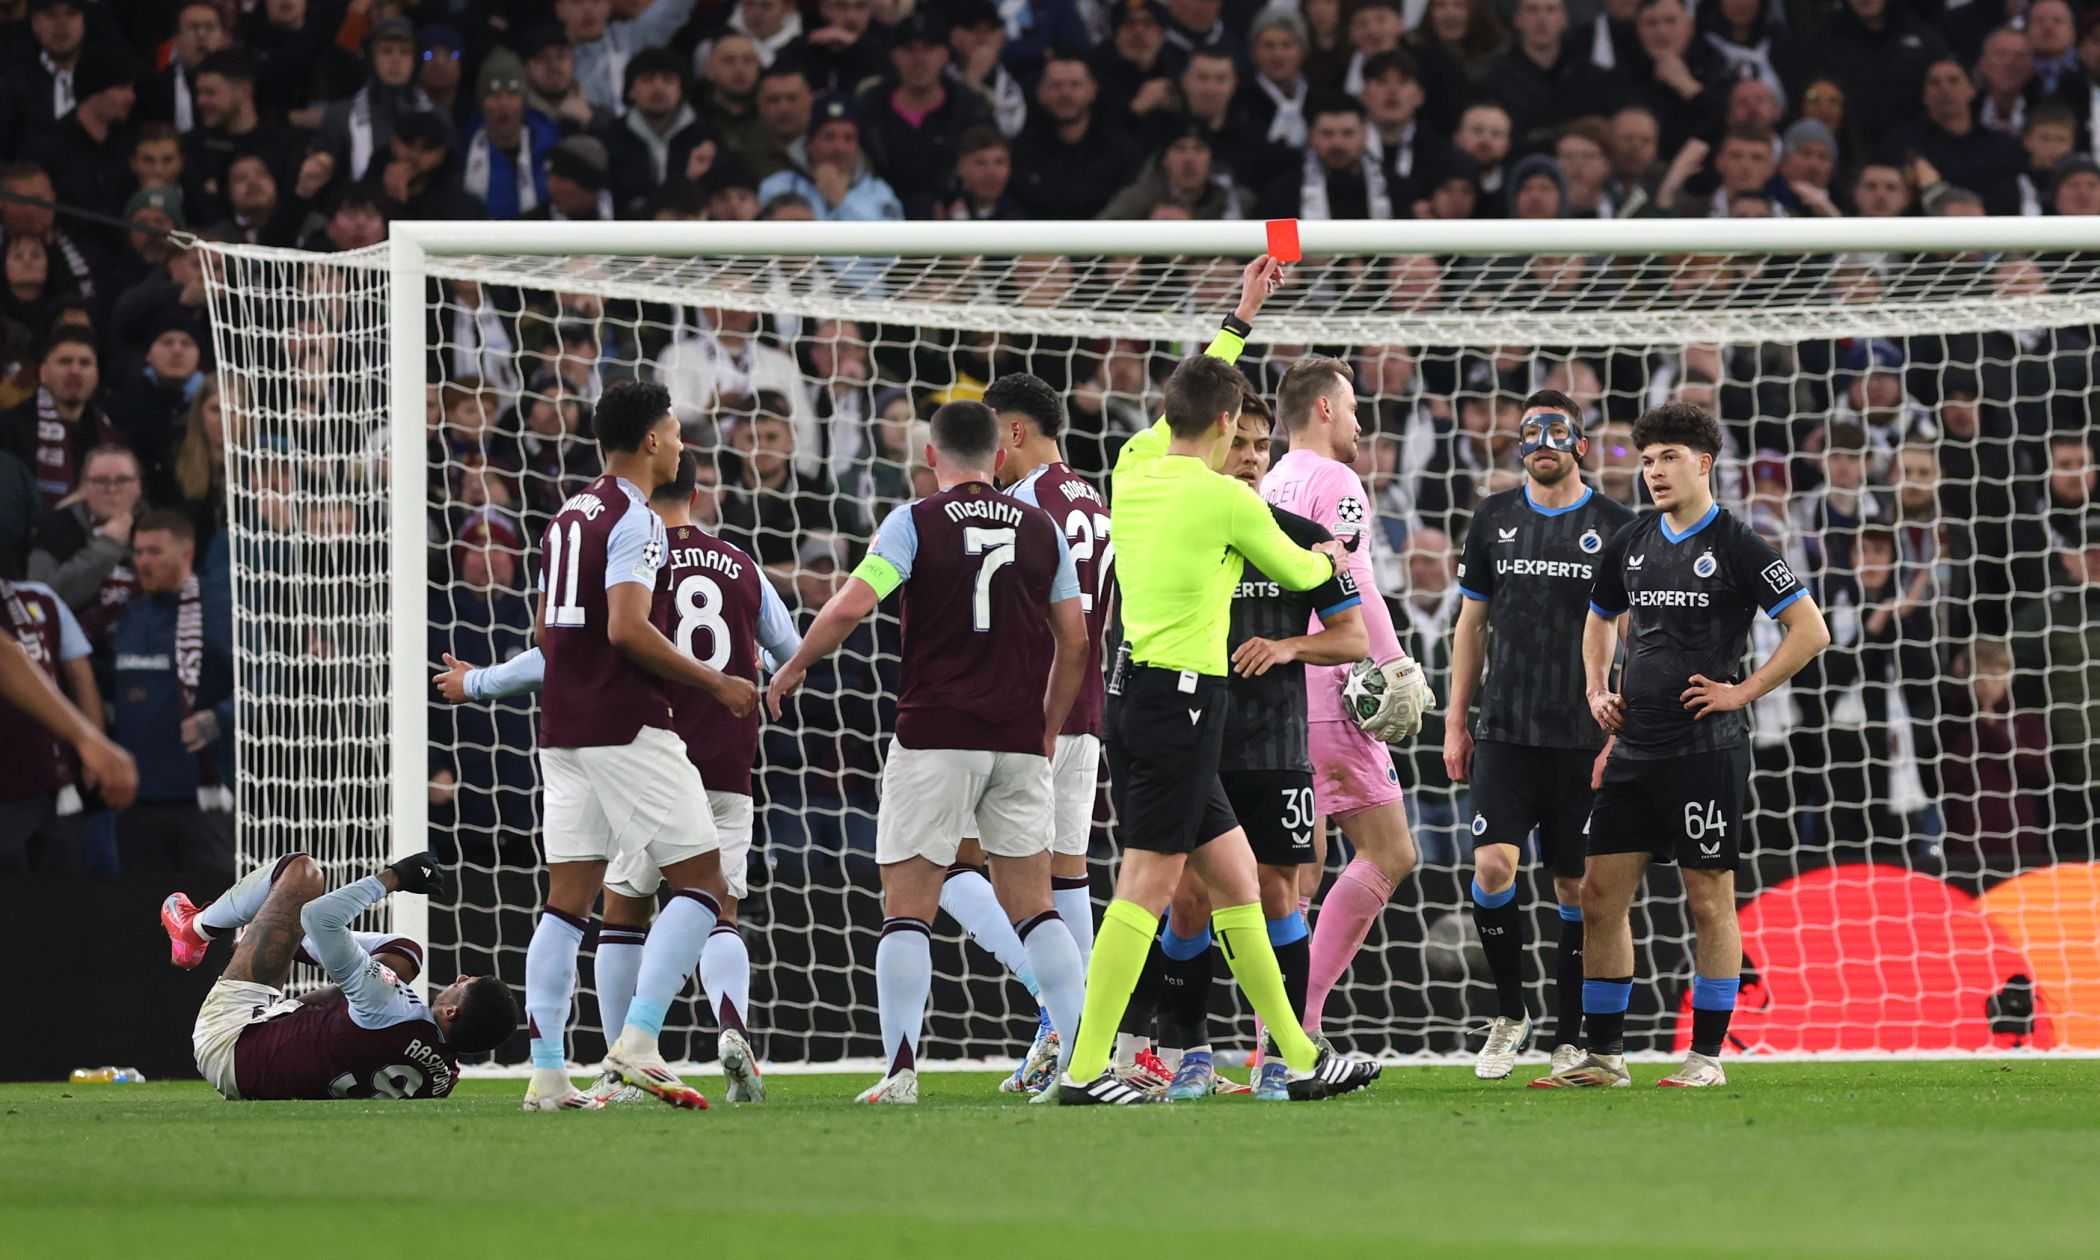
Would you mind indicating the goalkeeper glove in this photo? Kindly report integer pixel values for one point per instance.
(1400, 707)
(420, 873)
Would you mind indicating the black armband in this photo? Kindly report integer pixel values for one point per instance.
(1237, 327)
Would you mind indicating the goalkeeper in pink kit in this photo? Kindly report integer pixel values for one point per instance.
(1354, 781)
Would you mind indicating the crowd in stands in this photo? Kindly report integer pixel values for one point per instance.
(1939, 491)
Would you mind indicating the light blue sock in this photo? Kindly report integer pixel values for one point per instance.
(1288, 930)
(669, 956)
(550, 977)
(968, 898)
(1074, 899)
(619, 961)
(1182, 948)
(1714, 995)
(1055, 957)
(237, 907)
(903, 978)
(1493, 900)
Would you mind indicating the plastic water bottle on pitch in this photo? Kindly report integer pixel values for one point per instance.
(108, 1076)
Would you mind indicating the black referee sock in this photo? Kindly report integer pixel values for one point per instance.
(1502, 939)
(1137, 1015)
(1184, 996)
(1567, 978)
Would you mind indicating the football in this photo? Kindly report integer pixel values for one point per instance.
(1364, 690)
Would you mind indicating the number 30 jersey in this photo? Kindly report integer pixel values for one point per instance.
(716, 607)
(1077, 509)
(979, 572)
(594, 696)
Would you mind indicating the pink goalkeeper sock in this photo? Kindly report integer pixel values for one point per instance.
(1352, 906)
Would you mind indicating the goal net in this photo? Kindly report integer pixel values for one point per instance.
(1907, 417)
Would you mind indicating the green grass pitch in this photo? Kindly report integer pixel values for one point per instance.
(1844, 1160)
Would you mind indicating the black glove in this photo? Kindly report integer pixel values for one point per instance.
(420, 873)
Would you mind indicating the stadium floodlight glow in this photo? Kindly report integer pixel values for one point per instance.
(340, 499)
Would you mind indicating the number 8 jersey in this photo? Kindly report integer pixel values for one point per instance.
(716, 607)
(594, 696)
(979, 572)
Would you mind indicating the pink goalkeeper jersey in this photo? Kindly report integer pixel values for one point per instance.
(1330, 493)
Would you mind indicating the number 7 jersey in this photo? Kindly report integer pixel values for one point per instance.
(1077, 509)
(979, 572)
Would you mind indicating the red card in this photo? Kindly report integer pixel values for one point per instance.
(1283, 240)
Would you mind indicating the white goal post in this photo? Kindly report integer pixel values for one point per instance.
(1795, 311)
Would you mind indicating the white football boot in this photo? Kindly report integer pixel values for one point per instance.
(1505, 1041)
(611, 1090)
(1591, 1071)
(900, 1087)
(551, 1090)
(1698, 1071)
(1565, 1056)
(740, 1075)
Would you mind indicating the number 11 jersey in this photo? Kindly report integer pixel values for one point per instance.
(594, 696)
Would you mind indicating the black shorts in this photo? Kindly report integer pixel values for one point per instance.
(1687, 810)
(1515, 788)
(1166, 736)
(1276, 808)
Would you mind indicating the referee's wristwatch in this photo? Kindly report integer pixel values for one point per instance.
(1236, 326)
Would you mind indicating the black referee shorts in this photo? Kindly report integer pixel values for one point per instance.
(1516, 788)
(1165, 738)
(1687, 810)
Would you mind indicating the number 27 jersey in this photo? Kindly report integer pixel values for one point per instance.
(1076, 508)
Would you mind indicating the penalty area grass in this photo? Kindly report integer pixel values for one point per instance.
(1895, 1158)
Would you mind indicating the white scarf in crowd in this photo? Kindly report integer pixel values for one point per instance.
(361, 138)
(1288, 126)
(185, 107)
(62, 101)
(1312, 194)
(1404, 155)
(1755, 58)
(478, 169)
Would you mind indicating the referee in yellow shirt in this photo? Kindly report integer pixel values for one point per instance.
(1182, 530)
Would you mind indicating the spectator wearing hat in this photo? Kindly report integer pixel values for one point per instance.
(1339, 179)
(1134, 67)
(356, 131)
(1273, 98)
(442, 74)
(148, 404)
(1070, 162)
(657, 136)
(1177, 183)
(1536, 189)
(229, 123)
(729, 193)
(984, 168)
(977, 40)
(1958, 149)
(53, 431)
(153, 212)
(169, 96)
(1808, 159)
(834, 176)
(505, 160)
(1542, 80)
(88, 150)
(602, 44)
(913, 119)
(577, 183)
(728, 101)
(847, 51)
(41, 82)
(551, 86)
(2076, 186)
(1193, 24)
(785, 102)
(1408, 152)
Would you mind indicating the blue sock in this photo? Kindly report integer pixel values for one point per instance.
(1183, 948)
(1571, 914)
(1713, 1005)
(1604, 1005)
(550, 976)
(669, 956)
(1493, 901)
(1288, 929)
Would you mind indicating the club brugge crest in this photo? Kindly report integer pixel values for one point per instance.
(1480, 824)
(1591, 542)
(1705, 565)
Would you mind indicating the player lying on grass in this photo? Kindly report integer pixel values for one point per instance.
(994, 650)
(1267, 773)
(1690, 577)
(718, 608)
(368, 1035)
